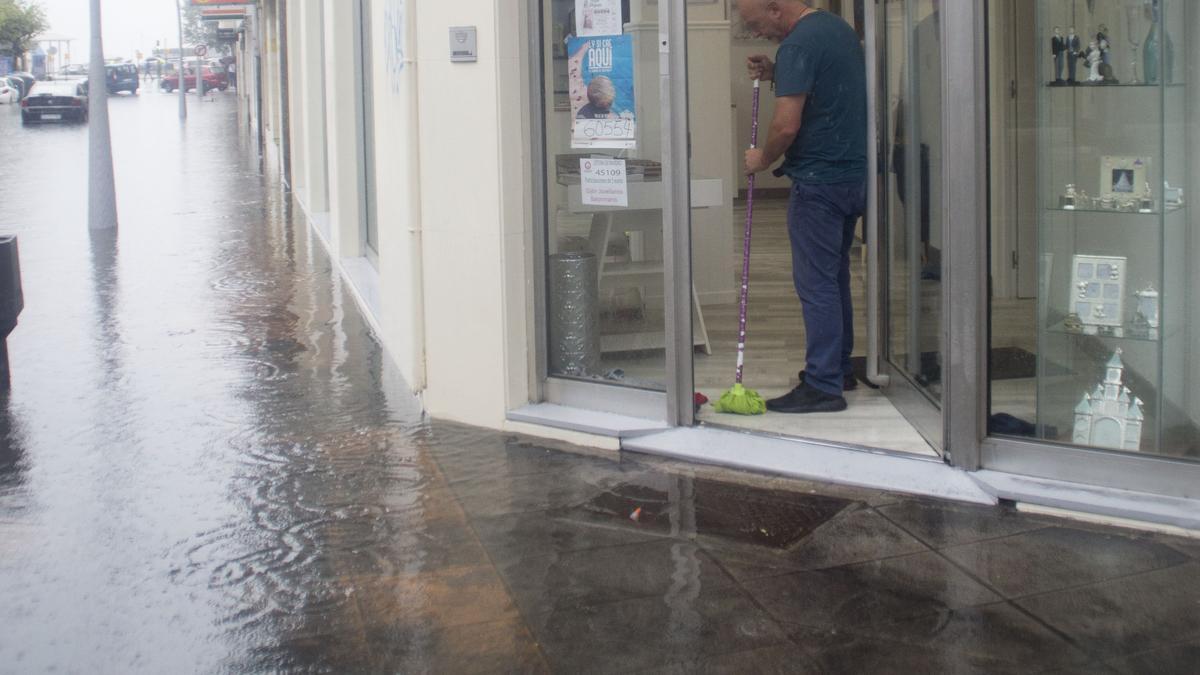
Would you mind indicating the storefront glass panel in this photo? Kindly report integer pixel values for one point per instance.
(1094, 313)
(913, 233)
(604, 194)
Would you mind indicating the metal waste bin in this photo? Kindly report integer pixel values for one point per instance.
(574, 314)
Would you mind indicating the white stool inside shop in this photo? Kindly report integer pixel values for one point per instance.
(641, 219)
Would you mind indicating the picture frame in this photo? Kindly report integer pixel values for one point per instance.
(1097, 292)
(1123, 178)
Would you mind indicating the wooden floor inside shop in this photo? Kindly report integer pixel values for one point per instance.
(775, 349)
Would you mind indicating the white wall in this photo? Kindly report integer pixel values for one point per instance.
(460, 133)
(395, 74)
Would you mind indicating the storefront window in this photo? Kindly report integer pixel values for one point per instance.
(604, 193)
(1094, 310)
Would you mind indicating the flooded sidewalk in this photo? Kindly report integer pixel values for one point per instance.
(207, 464)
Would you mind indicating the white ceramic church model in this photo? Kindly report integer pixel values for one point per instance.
(1111, 416)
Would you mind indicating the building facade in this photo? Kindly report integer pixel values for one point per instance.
(538, 205)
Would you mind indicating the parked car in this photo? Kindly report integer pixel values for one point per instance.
(9, 92)
(123, 77)
(211, 79)
(222, 72)
(55, 101)
(16, 83)
(27, 78)
(73, 70)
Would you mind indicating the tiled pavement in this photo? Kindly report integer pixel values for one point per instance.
(728, 572)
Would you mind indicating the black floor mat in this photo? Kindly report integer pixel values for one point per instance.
(1007, 363)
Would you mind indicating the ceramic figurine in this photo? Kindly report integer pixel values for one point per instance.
(1111, 416)
(1072, 41)
(1146, 202)
(1093, 59)
(1172, 196)
(1058, 47)
(1105, 45)
(1067, 201)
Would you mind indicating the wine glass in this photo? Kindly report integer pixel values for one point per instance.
(1131, 32)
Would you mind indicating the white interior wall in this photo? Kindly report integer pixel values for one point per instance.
(711, 122)
(741, 47)
(713, 156)
(742, 94)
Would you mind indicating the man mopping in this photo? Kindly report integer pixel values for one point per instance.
(820, 130)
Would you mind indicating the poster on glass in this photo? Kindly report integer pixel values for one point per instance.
(600, 71)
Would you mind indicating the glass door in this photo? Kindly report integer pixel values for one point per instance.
(910, 244)
(606, 196)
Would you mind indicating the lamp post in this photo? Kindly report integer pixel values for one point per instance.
(102, 191)
(182, 80)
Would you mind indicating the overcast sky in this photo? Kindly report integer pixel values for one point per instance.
(129, 25)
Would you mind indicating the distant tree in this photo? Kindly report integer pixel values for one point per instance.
(196, 31)
(20, 22)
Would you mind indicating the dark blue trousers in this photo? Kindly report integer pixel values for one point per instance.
(821, 221)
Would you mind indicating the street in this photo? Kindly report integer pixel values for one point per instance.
(207, 464)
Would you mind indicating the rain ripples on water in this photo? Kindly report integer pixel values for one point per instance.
(199, 452)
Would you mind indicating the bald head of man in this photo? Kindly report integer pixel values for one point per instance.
(771, 19)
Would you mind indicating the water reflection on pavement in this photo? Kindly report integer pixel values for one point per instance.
(208, 464)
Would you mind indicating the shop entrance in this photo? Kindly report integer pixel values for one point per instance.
(896, 260)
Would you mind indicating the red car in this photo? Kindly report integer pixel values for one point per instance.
(212, 80)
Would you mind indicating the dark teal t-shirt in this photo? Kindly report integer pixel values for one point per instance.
(823, 59)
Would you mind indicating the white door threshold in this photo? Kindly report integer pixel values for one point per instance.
(586, 421)
(877, 470)
(1124, 507)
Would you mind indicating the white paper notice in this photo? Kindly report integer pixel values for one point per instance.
(602, 182)
(597, 17)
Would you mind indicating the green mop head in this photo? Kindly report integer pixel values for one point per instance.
(741, 401)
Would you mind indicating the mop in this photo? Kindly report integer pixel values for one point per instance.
(740, 400)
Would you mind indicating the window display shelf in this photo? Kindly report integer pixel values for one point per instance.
(1113, 332)
(1148, 216)
(1116, 85)
(1124, 390)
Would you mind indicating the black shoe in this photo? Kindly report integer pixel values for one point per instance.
(805, 399)
(849, 383)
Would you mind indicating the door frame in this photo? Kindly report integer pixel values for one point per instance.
(965, 268)
(961, 421)
(672, 406)
(956, 428)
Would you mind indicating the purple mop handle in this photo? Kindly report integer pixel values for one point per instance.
(746, 244)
